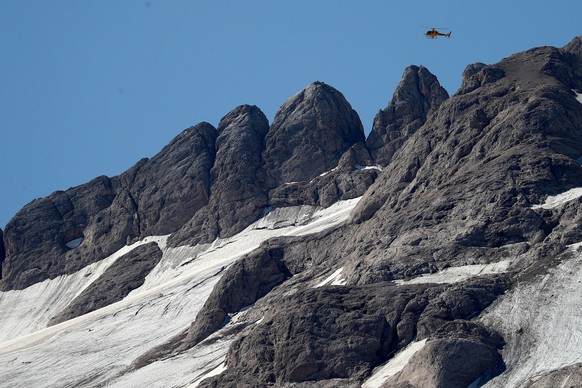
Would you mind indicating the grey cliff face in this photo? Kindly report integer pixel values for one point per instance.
(350, 179)
(238, 191)
(310, 133)
(173, 185)
(417, 96)
(70, 229)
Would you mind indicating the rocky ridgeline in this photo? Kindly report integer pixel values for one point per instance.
(209, 183)
(460, 176)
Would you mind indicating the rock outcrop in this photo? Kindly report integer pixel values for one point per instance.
(70, 229)
(351, 178)
(329, 333)
(238, 190)
(417, 96)
(125, 275)
(468, 177)
(310, 133)
(455, 363)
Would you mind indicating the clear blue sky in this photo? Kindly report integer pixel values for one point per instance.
(90, 87)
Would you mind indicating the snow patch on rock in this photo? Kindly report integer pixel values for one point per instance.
(335, 279)
(374, 167)
(541, 322)
(97, 348)
(76, 243)
(29, 310)
(395, 365)
(560, 199)
(459, 274)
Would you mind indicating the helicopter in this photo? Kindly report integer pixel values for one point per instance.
(433, 33)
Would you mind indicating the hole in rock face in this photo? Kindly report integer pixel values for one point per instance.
(73, 239)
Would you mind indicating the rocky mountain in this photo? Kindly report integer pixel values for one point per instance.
(443, 250)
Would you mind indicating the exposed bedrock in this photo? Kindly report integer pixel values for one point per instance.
(125, 275)
(464, 183)
(238, 189)
(344, 332)
(242, 284)
(454, 363)
(309, 134)
(70, 229)
(353, 175)
(417, 96)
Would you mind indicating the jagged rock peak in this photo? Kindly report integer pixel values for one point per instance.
(238, 191)
(70, 229)
(242, 115)
(309, 134)
(418, 94)
(575, 46)
(238, 178)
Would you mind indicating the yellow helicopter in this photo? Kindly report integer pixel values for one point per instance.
(433, 33)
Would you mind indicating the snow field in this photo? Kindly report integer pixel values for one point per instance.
(394, 365)
(560, 199)
(579, 97)
(541, 322)
(459, 274)
(335, 279)
(97, 348)
(29, 310)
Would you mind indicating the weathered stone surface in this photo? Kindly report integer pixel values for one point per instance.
(36, 237)
(173, 185)
(125, 275)
(310, 133)
(417, 96)
(238, 179)
(353, 175)
(464, 183)
(567, 377)
(454, 363)
(459, 191)
(344, 332)
(154, 197)
(242, 285)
